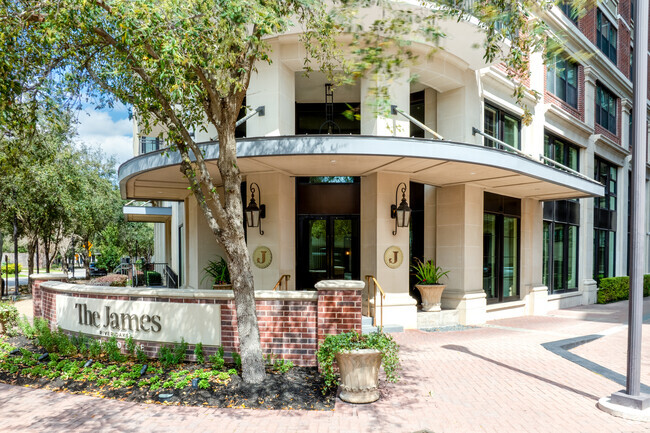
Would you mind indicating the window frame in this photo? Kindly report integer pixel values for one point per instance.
(604, 42)
(611, 123)
(500, 121)
(605, 215)
(549, 144)
(554, 75)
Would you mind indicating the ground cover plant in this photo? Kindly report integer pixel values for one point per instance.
(37, 356)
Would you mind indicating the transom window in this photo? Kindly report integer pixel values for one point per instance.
(562, 80)
(503, 126)
(606, 36)
(606, 109)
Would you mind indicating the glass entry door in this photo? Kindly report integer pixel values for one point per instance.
(500, 257)
(501, 232)
(328, 249)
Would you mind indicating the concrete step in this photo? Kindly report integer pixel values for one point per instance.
(393, 328)
(434, 319)
(367, 328)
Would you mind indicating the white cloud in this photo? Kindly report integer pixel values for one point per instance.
(113, 137)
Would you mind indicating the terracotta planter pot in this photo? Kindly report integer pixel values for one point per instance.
(359, 370)
(222, 286)
(431, 296)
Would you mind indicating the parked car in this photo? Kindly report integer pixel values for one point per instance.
(95, 271)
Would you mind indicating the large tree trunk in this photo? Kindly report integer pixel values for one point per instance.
(31, 249)
(46, 248)
(241, 277)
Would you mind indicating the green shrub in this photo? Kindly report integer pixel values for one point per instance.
(153, 278)
(10, 268)
(112, 350)
(26, 328)
(198, 352)
(8, 318)
(217, 360)
(170, 356)
(140, 356)
(130, 345)
(618, 289)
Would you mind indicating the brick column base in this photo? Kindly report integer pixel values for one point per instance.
(339, 307)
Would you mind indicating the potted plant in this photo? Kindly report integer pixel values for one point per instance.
(428, 276)
(358, 358)
(218, 271)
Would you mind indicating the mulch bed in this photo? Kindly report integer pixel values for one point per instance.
(299, 388)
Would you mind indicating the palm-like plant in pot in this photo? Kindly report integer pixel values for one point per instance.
(428, 276)
(217, 271)
(358, 358)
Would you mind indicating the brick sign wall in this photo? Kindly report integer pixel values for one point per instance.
(291, 323)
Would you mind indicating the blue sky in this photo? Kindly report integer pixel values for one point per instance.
(107, 129)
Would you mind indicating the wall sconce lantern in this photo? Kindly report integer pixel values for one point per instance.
(402, 213)
(254, 214)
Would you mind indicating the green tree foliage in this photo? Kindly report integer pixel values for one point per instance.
(182, 64)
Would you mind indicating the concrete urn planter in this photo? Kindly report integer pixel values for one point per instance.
(431, 296)
(359, 370)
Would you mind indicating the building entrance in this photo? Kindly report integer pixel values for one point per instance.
(327, 230)
(501, 232)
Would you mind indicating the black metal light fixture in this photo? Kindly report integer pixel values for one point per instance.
(254, 213)
(402, 213)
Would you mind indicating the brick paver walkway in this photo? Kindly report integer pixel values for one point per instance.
(496, 378)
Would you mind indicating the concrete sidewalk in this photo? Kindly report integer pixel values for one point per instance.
(496, 378)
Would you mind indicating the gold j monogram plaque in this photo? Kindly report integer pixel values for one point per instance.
(262, 257)
(393, 257)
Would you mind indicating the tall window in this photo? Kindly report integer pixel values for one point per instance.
(606, 36)
(561, 226)
(503, 126)
(605, 221)
(606, 109)
(417, 111)
(150, 144)
(562, 80)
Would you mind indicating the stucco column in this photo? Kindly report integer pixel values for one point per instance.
(531, 247)
(202, 247)
(377, 195)
(459, 249)
(587, 284)
(590, 96)
(460, 109)
(430, 223)
(278, 193)
(273, 86)
(379, 123)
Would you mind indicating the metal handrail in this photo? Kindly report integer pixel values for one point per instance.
(502, 143)
(286, 277)
(394, 110)
(563, 167)
(376, 286)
